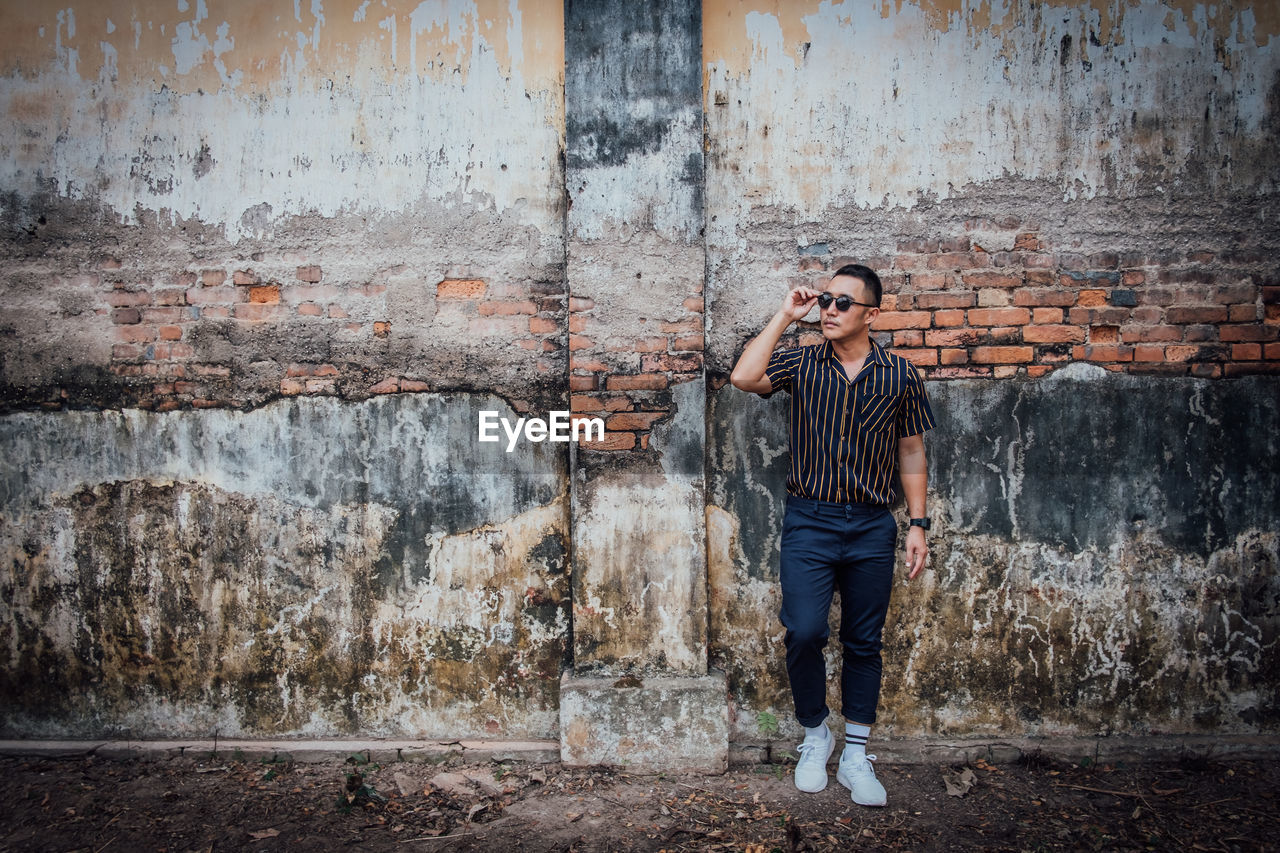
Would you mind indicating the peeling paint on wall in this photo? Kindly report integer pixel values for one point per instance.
(886, 104)
(240, 115)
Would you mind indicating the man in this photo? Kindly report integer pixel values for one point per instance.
(857, 413)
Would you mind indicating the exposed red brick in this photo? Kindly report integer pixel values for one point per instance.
(1104, 335)
(309, 273)
(581, 303)
(1182, 314)
(1036, 370)
(1148, 352)
(999, 316)
(577, 342)
(135, 334)
(1232, 294)
(578, 382)
(1249, 333)
(1132, 277)
(460, 288)
(908, 338)
(1054, 334)
(636, 382)
(993, 297)
(1046, 316)
(930, 281)
(244, 277)
(695, 304)
(1099, 316)
(1150, 334)
(212, 278)
(1102, 352)
(542, 325)
(1242, 313)
(171, 296)
(1091, 298)
(577, 323)
(413, 385)
(126, 316)
(991, 279)
(945, 299)
(944, 319)
(337, 312)
(902, 320)
(919, 357)
(953, 356)
(664, 363)
(381, 328)
(1002, 355)
(291, 387)
(1027, 242)
(310, 309)
(170, 333)
(683, 327)
(1246, 352)
(954, 337)
(266, 293)
(390, 385)
(1044, 296)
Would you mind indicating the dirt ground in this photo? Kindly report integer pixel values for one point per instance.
(232, 803)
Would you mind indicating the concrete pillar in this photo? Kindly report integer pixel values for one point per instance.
(640, 694)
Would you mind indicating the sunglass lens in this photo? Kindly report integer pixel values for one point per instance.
(824, 299)
(843, 303)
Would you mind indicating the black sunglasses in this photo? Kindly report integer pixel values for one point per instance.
(843, 303)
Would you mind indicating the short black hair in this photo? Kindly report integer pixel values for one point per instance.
(867, 276)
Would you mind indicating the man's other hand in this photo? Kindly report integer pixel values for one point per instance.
(917, 550)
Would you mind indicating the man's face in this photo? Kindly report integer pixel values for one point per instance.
(840, 325)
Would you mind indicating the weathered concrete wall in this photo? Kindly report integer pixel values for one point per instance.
(1104, 559)
(228, 229)
(263, 265)
(308, 568)
(1039, 185)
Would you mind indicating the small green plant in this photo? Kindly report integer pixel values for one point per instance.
(767, 723)
(269, 775)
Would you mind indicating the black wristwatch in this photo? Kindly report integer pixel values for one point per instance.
(922, 523)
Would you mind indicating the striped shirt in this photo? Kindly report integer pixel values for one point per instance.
(844, 435)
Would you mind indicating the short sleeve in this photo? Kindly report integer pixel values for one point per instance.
(915, 415)
(781, 369)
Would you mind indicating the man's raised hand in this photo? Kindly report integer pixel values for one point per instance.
(799, 302)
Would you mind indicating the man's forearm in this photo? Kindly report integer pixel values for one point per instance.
(915, 477)
(755, 358)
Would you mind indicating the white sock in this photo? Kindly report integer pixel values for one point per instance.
(855, 740)
(818, 732)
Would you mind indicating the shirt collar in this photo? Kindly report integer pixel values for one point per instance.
(877, 354)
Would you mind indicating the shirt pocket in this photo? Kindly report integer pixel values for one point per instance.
(878, 411)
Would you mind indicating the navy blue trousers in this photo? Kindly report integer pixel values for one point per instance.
(824, 546)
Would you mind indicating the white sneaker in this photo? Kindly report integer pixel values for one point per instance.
(811, 769)
(857, 775)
